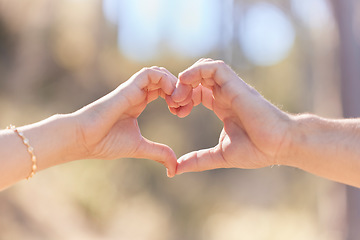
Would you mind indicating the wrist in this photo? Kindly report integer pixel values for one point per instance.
(305, 139)
(53, 140)
(67, 133)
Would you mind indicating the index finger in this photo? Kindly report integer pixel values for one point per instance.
(156, 77)
(181, 92)
(207, 73)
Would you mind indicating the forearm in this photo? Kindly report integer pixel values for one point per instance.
(53, 140)
(327, 148)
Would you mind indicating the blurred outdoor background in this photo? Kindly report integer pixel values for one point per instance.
(57, 56)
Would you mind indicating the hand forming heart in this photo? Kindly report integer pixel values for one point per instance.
(108, 128)
(255, 134)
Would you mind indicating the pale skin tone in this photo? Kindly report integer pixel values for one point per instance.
(256, 133)
(105, 129)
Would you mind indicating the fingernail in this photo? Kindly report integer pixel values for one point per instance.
(174, 92)
(168, 173)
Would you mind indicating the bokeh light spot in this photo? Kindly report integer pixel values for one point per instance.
(314, 14)
(195, 29)
(266, 34)
(148, 28)
(139, 31)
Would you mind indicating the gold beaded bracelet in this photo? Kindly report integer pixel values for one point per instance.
(29, 149)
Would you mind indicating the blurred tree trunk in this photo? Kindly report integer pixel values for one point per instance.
(231, 17)
(349, 57)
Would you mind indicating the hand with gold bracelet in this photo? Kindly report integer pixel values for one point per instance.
(105, 129)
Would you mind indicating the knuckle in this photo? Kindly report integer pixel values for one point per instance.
(145, 70)
(154, 68)
(220, 63)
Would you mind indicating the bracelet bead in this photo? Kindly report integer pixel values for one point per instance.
(30, 150)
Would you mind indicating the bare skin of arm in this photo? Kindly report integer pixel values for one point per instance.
(257, 134)
(105, 129)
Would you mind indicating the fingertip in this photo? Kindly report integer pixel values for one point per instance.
(167, 84)
(178, 173)
(181, 92)
(187, 100)
(172, 164)
(173, 110)
(180, 75)
(184, 75)
(181, 164)
(170, 102)
(184, 111)
(190, 76)
(169, 174)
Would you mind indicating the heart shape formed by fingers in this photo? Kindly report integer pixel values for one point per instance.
(247, 140)
(110, 128)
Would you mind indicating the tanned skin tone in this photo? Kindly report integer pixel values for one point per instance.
(257, 134)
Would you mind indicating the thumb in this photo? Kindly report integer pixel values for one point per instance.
(201, 160)
(158, 152)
